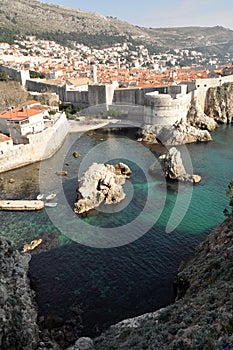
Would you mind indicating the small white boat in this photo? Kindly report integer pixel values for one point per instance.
(40, 196)
(50, 196)
(50, 205)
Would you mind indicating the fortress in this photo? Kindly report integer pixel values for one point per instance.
(161, 105)
(156, 105)
(150, 105)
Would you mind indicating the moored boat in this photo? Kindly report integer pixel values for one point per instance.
(40, 196)
(51, 205)
(50, 196)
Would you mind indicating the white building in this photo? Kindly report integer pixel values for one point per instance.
(19, 122)
(6, 143)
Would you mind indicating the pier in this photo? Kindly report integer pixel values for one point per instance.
(20, 205)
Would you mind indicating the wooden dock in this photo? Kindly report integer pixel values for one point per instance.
(20, 205)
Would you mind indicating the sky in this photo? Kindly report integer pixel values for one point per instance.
(160, 13)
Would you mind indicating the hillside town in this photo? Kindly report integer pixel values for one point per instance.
(125, 63)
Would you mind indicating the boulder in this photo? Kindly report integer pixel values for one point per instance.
(173, 168)
(83, 343)
(75, 154)
(101, 183)
(177, 134)
(182, 133)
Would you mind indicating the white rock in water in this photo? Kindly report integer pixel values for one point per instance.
(173, 167)
(101, 183)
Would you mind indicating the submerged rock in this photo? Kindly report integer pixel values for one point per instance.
(101, 183)
(83, 343)
(75, 154)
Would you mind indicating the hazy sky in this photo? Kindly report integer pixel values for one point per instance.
(160, 13)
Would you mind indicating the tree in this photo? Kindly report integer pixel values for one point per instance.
(11, 94)
(3, 76)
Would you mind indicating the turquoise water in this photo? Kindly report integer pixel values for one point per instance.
(124, 280)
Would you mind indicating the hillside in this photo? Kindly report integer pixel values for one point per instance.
(64, 24)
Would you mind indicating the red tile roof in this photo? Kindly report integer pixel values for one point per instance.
(4, 138)
(18, 114)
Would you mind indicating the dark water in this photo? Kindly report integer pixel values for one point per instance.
(124, 280)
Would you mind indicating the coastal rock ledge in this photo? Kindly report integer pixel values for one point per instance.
(101, 183)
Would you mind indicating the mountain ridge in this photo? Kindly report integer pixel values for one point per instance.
(64, 25)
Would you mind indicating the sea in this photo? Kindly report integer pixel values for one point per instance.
(120, 260)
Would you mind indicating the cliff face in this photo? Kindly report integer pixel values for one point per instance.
(18, 328)
(201, 318)
(198, 119)
(219, 103)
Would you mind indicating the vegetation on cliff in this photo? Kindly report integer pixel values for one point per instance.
(219, 102)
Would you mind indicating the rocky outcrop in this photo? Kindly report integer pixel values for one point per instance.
(219, 102)
(201, 318)
(18, 313)
(181, 133)
(83, 343)
(177, 134)
(101, 183)
(197, 118)
(173, 168)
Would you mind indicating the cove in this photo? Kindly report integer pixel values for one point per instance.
(108, 285)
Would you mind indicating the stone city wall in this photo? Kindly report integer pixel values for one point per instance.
(77, 98)
(202, 86)
(20, 75)
(38, 85)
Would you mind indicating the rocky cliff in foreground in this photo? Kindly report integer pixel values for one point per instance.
(202, 316)
(18, 313)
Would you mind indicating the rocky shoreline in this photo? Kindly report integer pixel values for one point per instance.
(201, 317)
